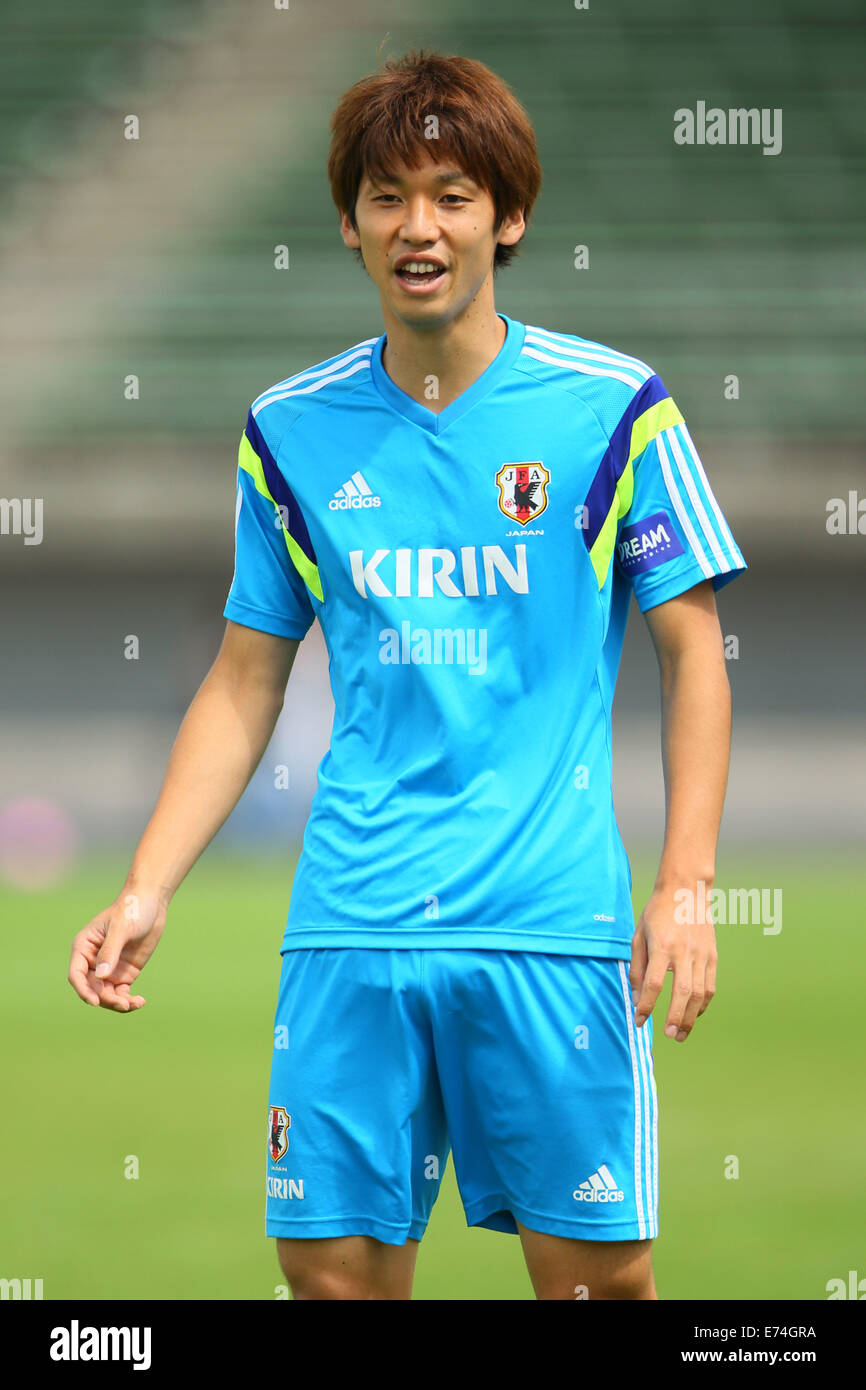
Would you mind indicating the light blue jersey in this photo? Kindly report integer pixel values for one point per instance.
(471, 571)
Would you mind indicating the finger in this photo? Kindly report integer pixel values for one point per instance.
(124, 973)
(134, 1001)
(116, 994)
(79, 968)
(637, 968)
(110, 950)
(709, 981)
(695, 1003)
(109, 998)
(89, 941)
(124, 994)
(653, 981)
(681, 994)
(123, 991)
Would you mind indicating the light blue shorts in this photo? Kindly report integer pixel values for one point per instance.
(527, 1065)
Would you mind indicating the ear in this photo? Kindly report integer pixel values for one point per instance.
(349, 232)
(511, 228)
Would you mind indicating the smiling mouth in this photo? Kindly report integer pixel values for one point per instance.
(420, 274)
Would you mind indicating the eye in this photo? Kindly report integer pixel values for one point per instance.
(392, 197)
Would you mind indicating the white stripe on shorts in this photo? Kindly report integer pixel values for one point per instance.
(646, 1133)
(638, 1179)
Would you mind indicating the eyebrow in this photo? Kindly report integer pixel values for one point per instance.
(450, 176)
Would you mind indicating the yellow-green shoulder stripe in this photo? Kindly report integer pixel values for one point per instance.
(645, 428)
(643, 432)
(601, 552)
(250, 462)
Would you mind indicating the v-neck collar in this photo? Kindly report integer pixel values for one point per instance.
(435, 422)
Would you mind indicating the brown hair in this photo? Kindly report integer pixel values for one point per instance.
(380, 122)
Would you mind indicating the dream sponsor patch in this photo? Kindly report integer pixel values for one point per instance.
(647, 543)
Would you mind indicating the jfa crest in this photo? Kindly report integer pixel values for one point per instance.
(278, 1132)
(522, 490)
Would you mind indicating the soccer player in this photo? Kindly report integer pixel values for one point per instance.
(467, 504)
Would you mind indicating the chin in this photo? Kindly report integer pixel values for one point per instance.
(421, 313)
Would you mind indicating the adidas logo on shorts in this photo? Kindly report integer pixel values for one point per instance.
(599, 1187)
(354, 493)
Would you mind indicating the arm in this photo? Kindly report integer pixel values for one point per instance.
(673, 933)
(220, 743)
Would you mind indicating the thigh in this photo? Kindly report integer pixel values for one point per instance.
(549, 1094)
(348, 1267)
(564, 1268)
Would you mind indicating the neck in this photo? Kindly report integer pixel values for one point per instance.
(436, 365)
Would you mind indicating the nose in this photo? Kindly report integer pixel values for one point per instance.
(420, 222)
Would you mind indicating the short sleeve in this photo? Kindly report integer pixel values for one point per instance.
(274, 560)
(671, 532)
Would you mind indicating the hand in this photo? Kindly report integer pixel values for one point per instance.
(664, 942)
(111, 951)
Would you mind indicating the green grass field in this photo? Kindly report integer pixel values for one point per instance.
(771, 1074)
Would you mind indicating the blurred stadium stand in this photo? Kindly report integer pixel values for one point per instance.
(155, 257)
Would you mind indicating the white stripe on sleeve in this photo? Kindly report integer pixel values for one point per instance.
(694, 496)
(733, 549)
(680, 507)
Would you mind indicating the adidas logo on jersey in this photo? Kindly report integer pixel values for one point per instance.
(599, 1187)
(355, 493)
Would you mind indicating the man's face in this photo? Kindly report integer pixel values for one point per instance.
(433, 216)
